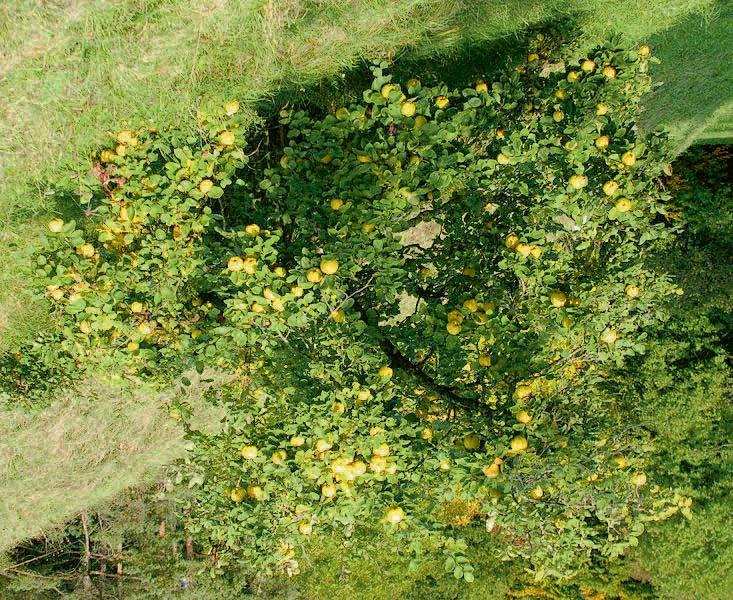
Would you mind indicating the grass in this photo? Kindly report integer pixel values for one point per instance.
(84, 450)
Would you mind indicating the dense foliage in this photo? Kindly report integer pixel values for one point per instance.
(430, 304)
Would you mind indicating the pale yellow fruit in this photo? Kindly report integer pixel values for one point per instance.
(121, 150)
(395, 515)
(639, 479)
(280, 271)
(205, 186)
(408, 109)
(337, 204)
(609, 72)
(231, 107)
(609, 336)
(427, 434)
(644, 50)
(602, 142)
(502, 159)
(107, 156)
(323, 446)
(523, 249)
(305, 528)
(133, 346)
(297, 291)
(255, 492)
(481, 87)
(623, 205)
(279, 457)
(632, 291)
(561, 94)
(237, 495)
(55, 225)
(87, 250)
(235, 264)
(536, 493)
(558, 298)
(519, 444)
(226, 138)
(601, 109)
(253, 230)
(85, 327)
(588, 66)
(628, 158)
(471, 442)
(278, 305)
(359, 468)
(338, 407)
(124, 136)
(491, 471)
(470, 305)
(444, 465)
(297, 441)
(314, 275)
(363, 158)
(610, 188)
(533, 57)
(329, 266)
(578, 182)
(137, 307)
(524, 417)
(381, 450)
(378, 464)
(558, 116)
(363, 395)
(620, 461)
(248, 452)
(573, 76)
(368, 227)
(453, 328)
(258, 308)
(511, 241)
(523, 391)
(338, 316)
(442, 102)
(56, 293)
(196, 333)
(484, 360)
(385, 372)
(387, 89)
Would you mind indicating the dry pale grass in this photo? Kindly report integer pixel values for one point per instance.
(85, 449)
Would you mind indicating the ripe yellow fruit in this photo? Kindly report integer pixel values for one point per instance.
(609, 72)
(511, 241)
(237, 495)
(558, 298)
(323, 446)
(523, 391)
(121, 149)
(253, 230)
(644, 50)
(573, 76)
(305, 528)
(124, 136)
(235, 264)
(55, 225)
(279, 457)
(471, 442)
(628, 158)
(536, 251)
(536, 493)
(279, 271)
(408, 109)
(297, 291)
(481, 87)
(226, 138)
(363, 158)
(427, 434)
(561, 94)
(255, 492)
(250, 265)
(601, 109)
(491, 471)
(133, 346)
(470, 305)
(146, 327)
(248, 452)
(578, 182)
(453, 328)
(602, 142)
(381, 450)
(85, 327)
(258, 308)
(338, 407)
(314, 275)
(363, 395)
(137, 307)
(524, 417)
(609, 336)
(532, 57)
(385, 372)
(87, 250)
(588, 66)
(278, 305)
(455, 316)
(205, 186)
(297, 441)
(620, 461)
(639, 479)
(503, 159)
(442, 102)
(623, 205)
(359, 468)
(329, 266)
(338, 316)
(519, 444)
(107, 156)
(387, 89)
(378, 464)
(368, 227)
(196, 333)
(610, 188)
(337, 204)
(231, 107)
(484, 360)
(523, 249)
(395, 515)
(558, 116)
(632, 291)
